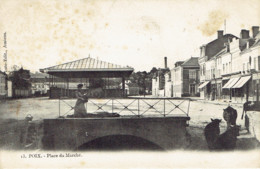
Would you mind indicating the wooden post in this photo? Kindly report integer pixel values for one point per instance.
(247, 91)
(230, 94)
(123, 86)
(49, 79)
(257, 92)
(68, 89)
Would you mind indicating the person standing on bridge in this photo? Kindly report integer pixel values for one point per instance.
(79, 109)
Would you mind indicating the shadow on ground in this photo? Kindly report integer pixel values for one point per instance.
(12, 138)
(198, 142)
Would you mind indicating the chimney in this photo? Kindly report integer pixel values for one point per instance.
(255, 30)
(220, 34)
(244, 34)
(165, 62)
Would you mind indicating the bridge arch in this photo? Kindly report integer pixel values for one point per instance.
(119, 142)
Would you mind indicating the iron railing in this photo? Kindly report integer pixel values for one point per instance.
(134, 106)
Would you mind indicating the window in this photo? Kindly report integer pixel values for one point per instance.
(213, 73)
(226, 67)
(204, 69)
(192, 74)
(258, 63)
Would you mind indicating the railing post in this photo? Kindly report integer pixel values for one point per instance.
(164, 107)
(86, 106)
(59, 106)
(112, 105)
(188, 108)
(138, 108)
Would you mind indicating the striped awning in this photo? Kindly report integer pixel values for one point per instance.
(230, 83)
(203, 85)
(226, 78)
(242, 81)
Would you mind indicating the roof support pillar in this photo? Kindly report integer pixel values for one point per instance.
(68, 88)
(123, 86)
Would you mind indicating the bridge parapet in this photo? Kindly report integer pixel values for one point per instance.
(136, 106)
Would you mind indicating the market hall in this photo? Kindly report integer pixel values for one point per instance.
(99, 78)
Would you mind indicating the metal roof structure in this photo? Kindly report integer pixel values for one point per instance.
(88, 67)
(86, 64)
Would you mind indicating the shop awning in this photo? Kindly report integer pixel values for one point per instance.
(203, 85)
(230, 83)
(242, 81)
(225, 78)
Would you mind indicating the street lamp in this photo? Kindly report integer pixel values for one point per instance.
(144, 82)
(215, 86)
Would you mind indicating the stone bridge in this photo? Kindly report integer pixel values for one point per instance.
(116, 132)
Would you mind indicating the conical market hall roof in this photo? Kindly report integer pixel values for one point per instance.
(87, 63)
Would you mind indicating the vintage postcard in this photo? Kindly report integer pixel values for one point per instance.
(129, 84)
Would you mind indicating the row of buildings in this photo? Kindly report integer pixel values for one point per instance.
(9, 88)
(228, 68)
(181, 81)
(3, 85)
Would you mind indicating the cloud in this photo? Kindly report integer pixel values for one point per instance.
(215, 20)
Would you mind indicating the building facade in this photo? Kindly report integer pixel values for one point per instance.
(210, 62)
(159, 82)
(40, 84)
(3, 85)
(185, 78)
(168, 85)
(233, 73)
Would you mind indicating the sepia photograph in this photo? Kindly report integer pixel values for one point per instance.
(129, 84)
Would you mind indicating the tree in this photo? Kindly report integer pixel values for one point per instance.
(144, 79)
(96, 83)
(20, 79)
(15, 68)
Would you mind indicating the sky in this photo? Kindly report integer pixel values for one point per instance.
(136, 33)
